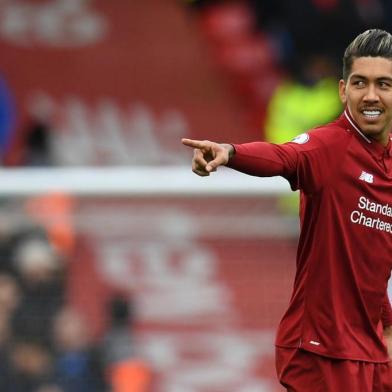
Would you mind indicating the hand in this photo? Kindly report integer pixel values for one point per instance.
(388, 341)
(208, 156)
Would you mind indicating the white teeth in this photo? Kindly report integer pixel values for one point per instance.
(371, 113)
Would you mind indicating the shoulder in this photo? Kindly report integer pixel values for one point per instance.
(331, 132)
(322, 137)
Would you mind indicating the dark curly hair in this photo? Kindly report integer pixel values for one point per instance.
(371, 43)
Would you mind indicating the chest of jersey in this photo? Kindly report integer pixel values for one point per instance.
(361, 192)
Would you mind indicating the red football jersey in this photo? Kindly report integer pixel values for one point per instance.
(339, 305)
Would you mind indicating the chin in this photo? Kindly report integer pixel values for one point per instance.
(371, 132)
(372, 128)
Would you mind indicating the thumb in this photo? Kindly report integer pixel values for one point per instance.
(210, 168)
(214, 164)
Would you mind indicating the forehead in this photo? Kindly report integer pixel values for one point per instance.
(372, 67)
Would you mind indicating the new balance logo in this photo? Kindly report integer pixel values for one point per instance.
(366, 177)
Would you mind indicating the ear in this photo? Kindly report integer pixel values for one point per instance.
(342, 91)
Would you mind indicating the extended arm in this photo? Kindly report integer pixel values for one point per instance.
(265, 159)
(257, 158)
(302, 164)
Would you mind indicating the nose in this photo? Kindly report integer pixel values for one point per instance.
(371, 94)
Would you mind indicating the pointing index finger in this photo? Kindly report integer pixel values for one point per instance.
(193, 143)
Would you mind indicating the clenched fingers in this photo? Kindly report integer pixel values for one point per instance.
(219, 160)
(199, 163)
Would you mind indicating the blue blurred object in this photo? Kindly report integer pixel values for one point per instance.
(7, 115)
(76, 372)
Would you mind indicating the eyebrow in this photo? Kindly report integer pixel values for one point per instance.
(358, 76)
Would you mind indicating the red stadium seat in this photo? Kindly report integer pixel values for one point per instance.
(227, 23)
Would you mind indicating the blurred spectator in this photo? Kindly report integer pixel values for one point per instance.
(78, 364)
(40, 274)
(9, 298)
(9, 301)
(303, 101)
(33, 145)
(54, 212)
(308, 27)
(30, 368)
(127, 372)
(307, 96)
(43, 346)
(118, 344)
(8, 238)
(37, 144)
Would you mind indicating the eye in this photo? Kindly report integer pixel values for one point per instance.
(358, 83)
(385, 85)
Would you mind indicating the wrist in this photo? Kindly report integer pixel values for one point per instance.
(229, 148)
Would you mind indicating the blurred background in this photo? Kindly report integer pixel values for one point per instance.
(153, 291)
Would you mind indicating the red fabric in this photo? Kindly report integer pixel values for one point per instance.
(386, 315)
(299, 370)
(344, 252)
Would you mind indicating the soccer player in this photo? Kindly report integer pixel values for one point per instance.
(337, 332)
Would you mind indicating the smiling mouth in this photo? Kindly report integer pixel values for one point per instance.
(372, 114)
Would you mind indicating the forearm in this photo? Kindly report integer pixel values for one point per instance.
(386, 318)
(262, 159)
(388, 340)
(386, 313)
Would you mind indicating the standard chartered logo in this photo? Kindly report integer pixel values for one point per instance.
(360, 216)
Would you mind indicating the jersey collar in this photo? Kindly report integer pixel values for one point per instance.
(348, 123)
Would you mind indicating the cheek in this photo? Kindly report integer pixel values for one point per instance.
(388, 102)
(352, 99)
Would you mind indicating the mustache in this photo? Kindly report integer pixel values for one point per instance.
(372, 108)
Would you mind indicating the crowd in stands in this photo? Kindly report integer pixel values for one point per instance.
(45, 344)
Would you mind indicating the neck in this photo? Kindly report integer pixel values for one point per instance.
(381, 138)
